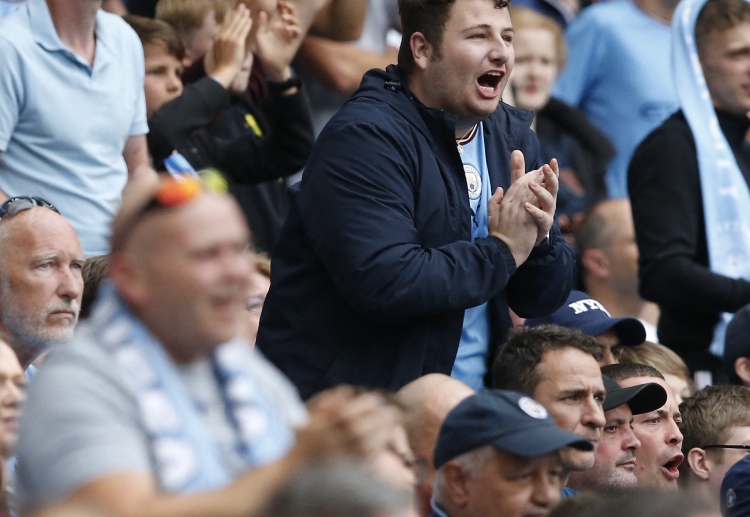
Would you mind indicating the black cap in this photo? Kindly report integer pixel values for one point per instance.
(642, 398)
(508, 420)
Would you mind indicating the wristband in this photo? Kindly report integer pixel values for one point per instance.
(275, 88)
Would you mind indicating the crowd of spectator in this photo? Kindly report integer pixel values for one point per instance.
(388, 258)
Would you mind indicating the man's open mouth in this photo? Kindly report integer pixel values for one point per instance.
(670, 468)
(490, 81)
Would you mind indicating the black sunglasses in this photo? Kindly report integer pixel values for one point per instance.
(18, 204)
(744, 447)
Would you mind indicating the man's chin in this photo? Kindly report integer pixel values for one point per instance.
(577, 461)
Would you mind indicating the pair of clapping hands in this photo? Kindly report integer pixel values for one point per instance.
(522, 217)
(274, 41)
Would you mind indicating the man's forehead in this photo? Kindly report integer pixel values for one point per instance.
(467, 14)
(39, 231)
(207, 216)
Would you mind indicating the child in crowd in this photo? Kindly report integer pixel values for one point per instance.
(196, 21)
(253, 133)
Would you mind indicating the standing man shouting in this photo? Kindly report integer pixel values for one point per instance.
(415, 226)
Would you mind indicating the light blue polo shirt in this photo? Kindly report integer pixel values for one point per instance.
(64, 124)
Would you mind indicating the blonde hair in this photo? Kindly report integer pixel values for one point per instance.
(659, 356)
(525, 18)
(186, 15)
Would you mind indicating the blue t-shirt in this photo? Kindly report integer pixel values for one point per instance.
(471, 361)
(64, 123)
(619, 73)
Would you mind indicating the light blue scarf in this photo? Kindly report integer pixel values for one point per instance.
(186, 456)
(726, 198)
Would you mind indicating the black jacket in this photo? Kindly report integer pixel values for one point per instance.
(185, 124)
(665, 192)
(375, 265)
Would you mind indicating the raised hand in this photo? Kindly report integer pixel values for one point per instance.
(342, 423)
(228, 52)
(522, 216)
(277, 41)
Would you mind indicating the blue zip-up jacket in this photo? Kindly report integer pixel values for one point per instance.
(375, 265)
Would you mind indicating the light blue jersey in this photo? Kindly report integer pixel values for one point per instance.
(619, 74)
(471, 361)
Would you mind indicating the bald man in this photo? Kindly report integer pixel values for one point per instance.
(427, 401)
(40, 276)
(156, 409)
(608, 258)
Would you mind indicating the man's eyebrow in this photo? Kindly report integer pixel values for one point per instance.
(486, 26)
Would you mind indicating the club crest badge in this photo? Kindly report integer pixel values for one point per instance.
(532, 408)
(473, 181)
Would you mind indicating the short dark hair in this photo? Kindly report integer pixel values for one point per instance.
(720, 15)
(515, 365)
(95, 270)
(428, 17)
(620, 372)
(157, 32)
(710, 413)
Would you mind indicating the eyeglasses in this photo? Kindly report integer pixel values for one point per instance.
(18, 204)
(742, 447)
(417, 464)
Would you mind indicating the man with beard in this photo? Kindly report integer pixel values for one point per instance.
(40, 276)
(658, 431)
(614, 466)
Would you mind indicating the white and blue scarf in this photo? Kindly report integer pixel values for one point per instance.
(186, 456)
(726, 198)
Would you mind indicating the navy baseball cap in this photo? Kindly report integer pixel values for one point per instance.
(642, 398)
(508, 420)
(582, 312)
(735, 490)
(737, 339)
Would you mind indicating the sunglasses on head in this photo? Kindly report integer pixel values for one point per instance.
(18, 204)
(174, 191)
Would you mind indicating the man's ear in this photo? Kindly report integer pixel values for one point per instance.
(456, 483)
(742, 369)
(699, 463)
(595, 263)
(421, 49)
(127, 278)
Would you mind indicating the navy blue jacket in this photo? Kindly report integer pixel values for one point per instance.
(375, 266)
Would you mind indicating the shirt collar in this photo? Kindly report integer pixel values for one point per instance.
(436, 509)
(43, 30)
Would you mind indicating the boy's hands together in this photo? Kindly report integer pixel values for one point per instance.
(225, 59)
